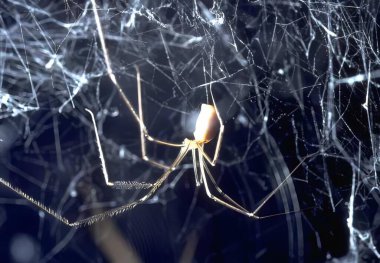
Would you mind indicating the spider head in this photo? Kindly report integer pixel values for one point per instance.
(206, 126)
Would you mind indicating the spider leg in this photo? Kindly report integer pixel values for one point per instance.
(233, 204)
(212, 179)
(121, 209)
(143, 130)
(224, 203)
(35, 202)
(220, 135)
(274, 191)
(117, 184)
(108, 213)
(205, 155)
(107, 61)
(138, 117)
(198, 180)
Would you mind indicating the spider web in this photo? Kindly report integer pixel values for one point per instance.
(295, 82)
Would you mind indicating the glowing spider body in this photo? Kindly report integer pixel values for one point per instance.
(206, 125)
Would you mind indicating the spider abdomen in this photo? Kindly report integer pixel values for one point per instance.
(206, 126)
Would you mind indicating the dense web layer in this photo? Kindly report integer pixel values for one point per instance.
(296, 85)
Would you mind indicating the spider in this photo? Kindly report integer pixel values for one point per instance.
(206, 128)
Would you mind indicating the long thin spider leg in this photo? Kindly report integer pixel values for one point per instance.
(105, 214)
(143, 130)
(122, 94)
(123, 208)
(212, 179)
(271, 194)
(220, 136)
(108, 61)
(205, 155)
(204, 171)
(197, 179)
(117, 184)
(35, 202)
(220, 201)
(237, 207)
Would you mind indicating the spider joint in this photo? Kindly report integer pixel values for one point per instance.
(148, 137)
(212, 196)
(252, 215)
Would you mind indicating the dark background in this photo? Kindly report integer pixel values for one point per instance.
(295, 82)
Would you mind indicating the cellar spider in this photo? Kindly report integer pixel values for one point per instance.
(206, 128)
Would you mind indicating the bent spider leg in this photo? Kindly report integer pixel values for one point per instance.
(144, 132)
(220, 190)
(121, 209)
(117, 184)
(220, 135)
(105, 214)
(242, 210)
(108, 61)
(126, 101)
(224, 195)
(205, 155)
(220, 201)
